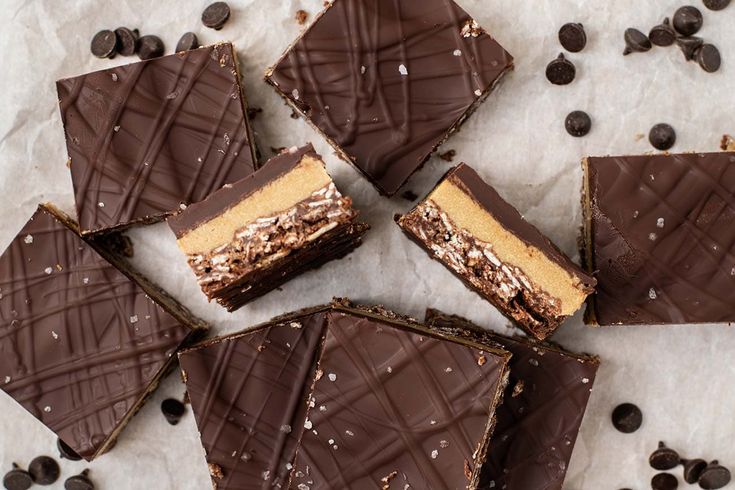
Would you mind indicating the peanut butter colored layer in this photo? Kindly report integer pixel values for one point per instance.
(277, 196)
(546, 274)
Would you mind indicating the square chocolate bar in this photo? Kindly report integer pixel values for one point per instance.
(660, 238)
(82, 344)
(147, 137)
(465, 224)
(387, 82)
(254, 235)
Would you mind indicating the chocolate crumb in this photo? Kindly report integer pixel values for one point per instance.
(409, 196)
(727, 143)
(301, 16)
(467, 470)
(253, 112)
(448, 156)
(215, 471)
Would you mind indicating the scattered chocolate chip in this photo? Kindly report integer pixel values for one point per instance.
(17, 479)
(173, 410)
(662, 136)
(664, 458)
(216, 15)
(253, 112)
(448, 156)
(127, 41)
(714, 476)
(301, 16)
(663, 34)
(188, 41)
(103, 44)
(79, 482)
(688, 20)
(409, 196)
(716, 4)
(572, 37)
(708, 57)
(578, 123)
(150, 47)
(689, 46)
(66, 452)
(44, 470)
(664, 481)
(627, 418)
(636, 42)
(561, 71)
(693, 469)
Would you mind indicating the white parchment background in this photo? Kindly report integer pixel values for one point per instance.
(682, 377)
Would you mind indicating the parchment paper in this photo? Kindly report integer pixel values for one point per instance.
(682, 377)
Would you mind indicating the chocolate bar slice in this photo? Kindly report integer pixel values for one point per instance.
(660, 238)
(468, 227)
(147, 137)
(252, 236)
(387, 82)
(82, 344)
(542, 409)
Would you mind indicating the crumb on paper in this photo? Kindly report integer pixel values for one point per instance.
(215, 471)
(448, 156)
(409, 196)
(727, 143)
(301, 16)
(639, 136)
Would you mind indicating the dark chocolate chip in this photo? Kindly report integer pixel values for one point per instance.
(561, 71)
(664, 481)
(689, 46)
(693, 469)
(216, 15)
(688, 20)
(663, 34)
(66, 452)
(578, 123)
(627, 418)
(636, 42)
(104, 44)
(662, 136)
(79, 482)
(127, 41)
(44, 470)
(572, 37)
(188, 41)
(716, 4)
(150, 47)
(17, 479)
(714, 476)
(664, 458)
(173, 410)
(708, 57)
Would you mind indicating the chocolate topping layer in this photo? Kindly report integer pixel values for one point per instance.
(387, 81)
(81, 345)
(146, 137)
(660, 234)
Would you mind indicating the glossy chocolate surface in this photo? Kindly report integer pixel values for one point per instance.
(387, 81)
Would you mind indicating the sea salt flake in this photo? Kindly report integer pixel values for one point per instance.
(390, 369)
(478, 92)
(448, 370)
(434, 454)
(660, 222)
(47, 409)
(350, 433)
(295, 94)
(331, 441)
(332, 377)
(48, 270)
(7, 379)
(54, 335)
(286, 428)
(652, 237)
(585, 380)
(101, 204)
(402, 70)
(28, 239)
(307, 424)
(134, 319)
(322, 408)
(533, 362)
(652, 293)
(457, 52)
(443, 444)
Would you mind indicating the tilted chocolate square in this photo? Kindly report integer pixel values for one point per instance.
(387, 82)
(542, 409)
(82, 345)
(660, 238)
(468, 227)
(147, 137)
(254, 235)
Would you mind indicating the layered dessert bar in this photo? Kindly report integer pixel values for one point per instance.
(468, 227)
(252, 236)
(147, 137)
(388, 81)
(542, 409)
(345, 397)
(82, 344)
(660, 237)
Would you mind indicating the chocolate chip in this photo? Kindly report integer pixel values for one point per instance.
(216, 15)
(44, 470)
(716, 4)
(173, 410)
(572, 37)
(688, 20)
(714, 476)
(17, 479)
(636, 42)
(561, 71)
(664, 458)
(103, 44)
(150, 47)
(627, 418)
(578, 123)
(127, 41)
(689, 46)
(663, 34)
(79, 482)
(66, 452)
(708, 57)
(664, 481)
(187, 42)
(662, 136)
(693, 468)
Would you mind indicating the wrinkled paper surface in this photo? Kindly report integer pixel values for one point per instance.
(682, 377)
